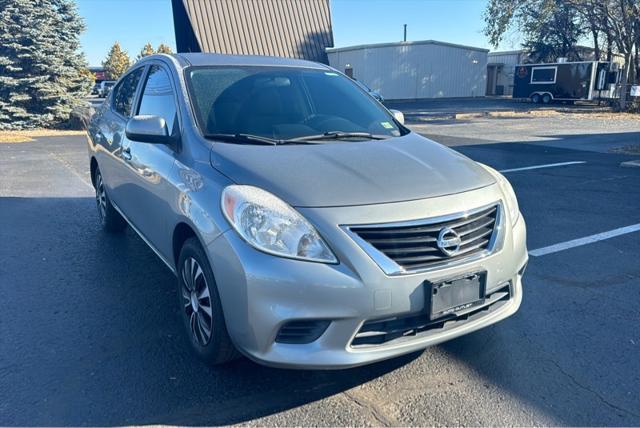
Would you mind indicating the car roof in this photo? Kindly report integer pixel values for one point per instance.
(200, 59)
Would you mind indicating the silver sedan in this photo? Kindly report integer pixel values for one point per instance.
(306, 225)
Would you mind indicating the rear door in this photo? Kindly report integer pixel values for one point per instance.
(149, 166)
(112, 133)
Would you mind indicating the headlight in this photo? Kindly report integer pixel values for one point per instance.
(269, 224)
(510, 196)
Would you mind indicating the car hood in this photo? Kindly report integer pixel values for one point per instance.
(340, 173)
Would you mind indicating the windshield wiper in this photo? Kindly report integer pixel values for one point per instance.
(308, 139)
(338, 135)
(247, 138)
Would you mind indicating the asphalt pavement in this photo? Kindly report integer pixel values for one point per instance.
(90, 334)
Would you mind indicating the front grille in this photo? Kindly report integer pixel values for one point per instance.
(413, 246)
(302, 331)
(410, 327)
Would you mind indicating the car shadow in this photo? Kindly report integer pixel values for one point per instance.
(91, 334)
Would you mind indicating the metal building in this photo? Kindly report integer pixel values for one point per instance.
(500, 69)
(287, 28)
(413, 70)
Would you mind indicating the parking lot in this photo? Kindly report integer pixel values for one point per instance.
(90, 334)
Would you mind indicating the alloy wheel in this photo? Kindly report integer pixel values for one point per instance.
(196, 300)
(101, 196)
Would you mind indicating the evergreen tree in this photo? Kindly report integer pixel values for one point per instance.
(164, 49)
(116, 62)
(41, 70)
(146, 50)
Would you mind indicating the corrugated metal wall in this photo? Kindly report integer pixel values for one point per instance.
(414, 70)
(511, 58)
(287, 28)
(504, 64)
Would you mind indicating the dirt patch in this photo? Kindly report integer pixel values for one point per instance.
(631, 149)
(9, 137)
(572, 114)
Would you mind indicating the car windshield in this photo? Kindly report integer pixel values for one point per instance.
(285, 103)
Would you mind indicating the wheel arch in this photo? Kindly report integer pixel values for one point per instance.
(181, 232)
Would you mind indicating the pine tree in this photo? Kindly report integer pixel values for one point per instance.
(116, 62)
(41, 79)
(146, 50)
(164, 49)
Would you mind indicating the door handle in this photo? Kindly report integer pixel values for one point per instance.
(126, 153)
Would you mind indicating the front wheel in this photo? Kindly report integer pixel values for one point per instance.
(546, 99)
(110, 219)
(535, 98)
(200, 307)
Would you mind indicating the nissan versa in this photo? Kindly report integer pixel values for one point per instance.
(306, 225)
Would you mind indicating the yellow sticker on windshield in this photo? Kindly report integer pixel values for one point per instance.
(386, 125)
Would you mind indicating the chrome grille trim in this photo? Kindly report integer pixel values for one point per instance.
(492, 240)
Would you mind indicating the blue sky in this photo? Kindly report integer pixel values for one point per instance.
(134, 22)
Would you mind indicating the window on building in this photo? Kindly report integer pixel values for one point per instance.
(543, 75)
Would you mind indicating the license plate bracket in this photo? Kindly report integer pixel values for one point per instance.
(452, 296)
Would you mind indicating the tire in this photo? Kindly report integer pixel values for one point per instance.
(110, 219)
(200, 307)
(535, 98)
(546, 99)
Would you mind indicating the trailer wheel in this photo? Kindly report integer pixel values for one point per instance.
(546, 99)
(535, 98)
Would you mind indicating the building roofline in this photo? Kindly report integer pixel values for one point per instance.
(516, 51)
(522, 51)
(413, 43)
(542, 64)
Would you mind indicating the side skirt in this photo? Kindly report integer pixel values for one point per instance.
(165, 261)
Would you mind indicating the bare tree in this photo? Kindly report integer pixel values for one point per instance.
(620, 20)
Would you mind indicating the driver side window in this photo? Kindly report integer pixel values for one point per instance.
(158, 98)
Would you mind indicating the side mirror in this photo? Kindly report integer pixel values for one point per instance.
(148, 129)
(397, 114)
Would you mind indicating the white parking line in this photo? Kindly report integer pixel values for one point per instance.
(584, 241)
(548, 165)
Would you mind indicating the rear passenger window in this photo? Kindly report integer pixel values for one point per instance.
(157, 98)
(125, 91)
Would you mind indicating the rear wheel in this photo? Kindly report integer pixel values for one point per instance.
(546, 99)
(110, 219)
(535, 98)
(200, 307)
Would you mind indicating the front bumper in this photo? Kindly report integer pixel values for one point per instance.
(261, 293)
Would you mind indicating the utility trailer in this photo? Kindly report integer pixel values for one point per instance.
(566, 81)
